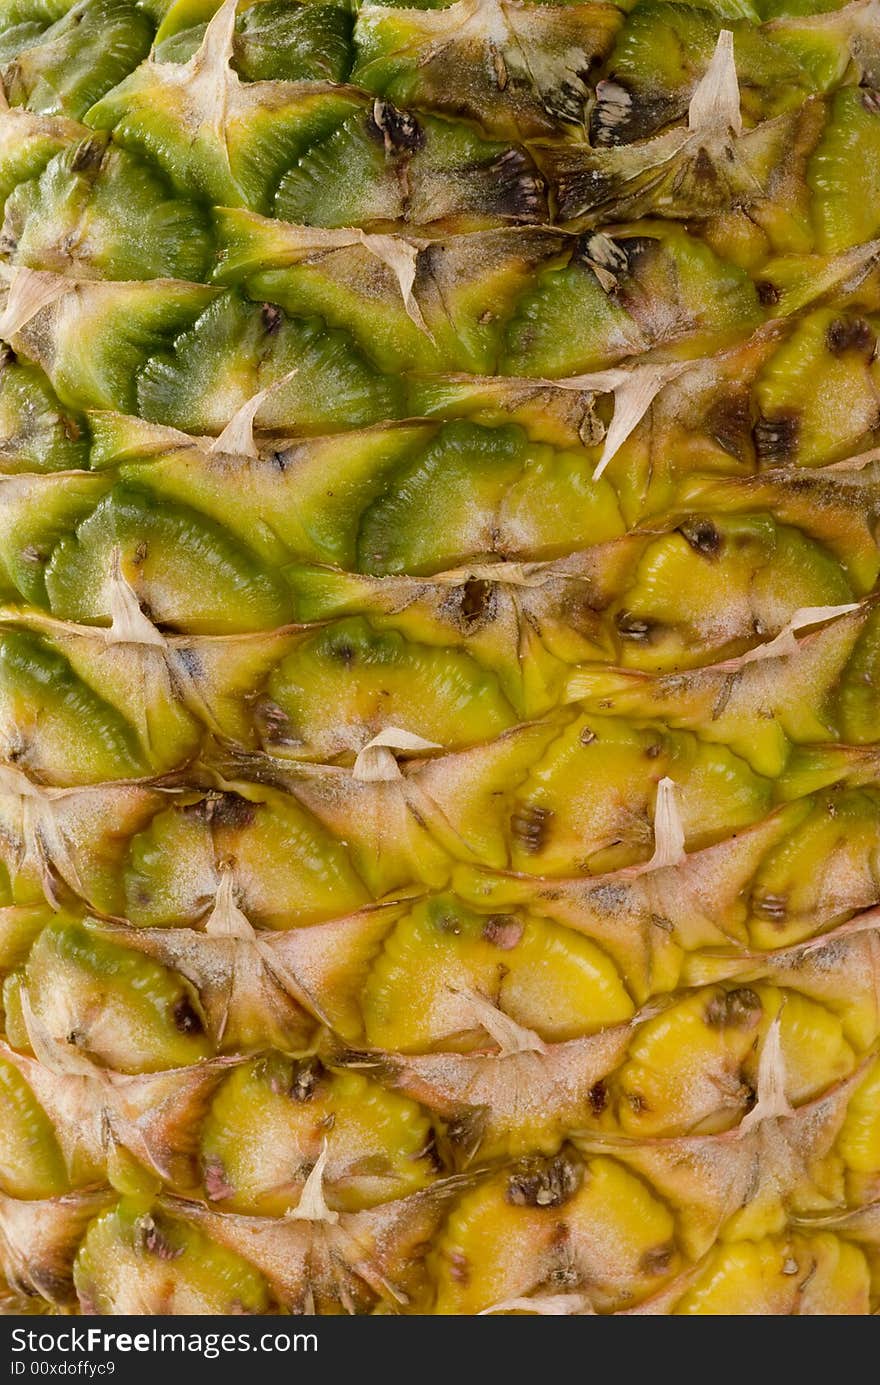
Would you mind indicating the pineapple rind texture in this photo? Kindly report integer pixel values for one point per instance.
(439, 657)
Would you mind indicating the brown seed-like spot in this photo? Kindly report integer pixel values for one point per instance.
(274, 723)
(776, 439)
(271, 318)
(476, 601)
(517, 189)
(224, 809)
(539, 1182)
(771, 906)
(737, 1009)
(89, 155)
(399, 131)
(530, 826)
(633, 627)
(657, 1260)
(850, 334)
(598, 1097)
(729, 423)
(186, 1018)
(217, 1185)
(703, 537)
(343, 651)
(768, 294)
(154, 1241)
(307, 1074)
(503, 930)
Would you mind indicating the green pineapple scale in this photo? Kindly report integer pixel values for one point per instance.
(439, 657)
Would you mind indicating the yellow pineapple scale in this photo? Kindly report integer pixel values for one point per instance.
(439, 657)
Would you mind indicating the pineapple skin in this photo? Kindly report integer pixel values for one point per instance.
(439, 657)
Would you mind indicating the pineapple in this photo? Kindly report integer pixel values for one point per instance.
(440, 657)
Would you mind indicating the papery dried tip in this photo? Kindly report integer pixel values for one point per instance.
(715, 104)
(546, 1305)
(772, 1100)
(786, 643)
(226, 919)
(216, 48)
(668, 827)
(237, 438)
(376, 763)
(128, 624)
(508, 1035)
(30, 290)
(634, 392)
(312, 1205)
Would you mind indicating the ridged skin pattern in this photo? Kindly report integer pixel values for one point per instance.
(439, 657)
